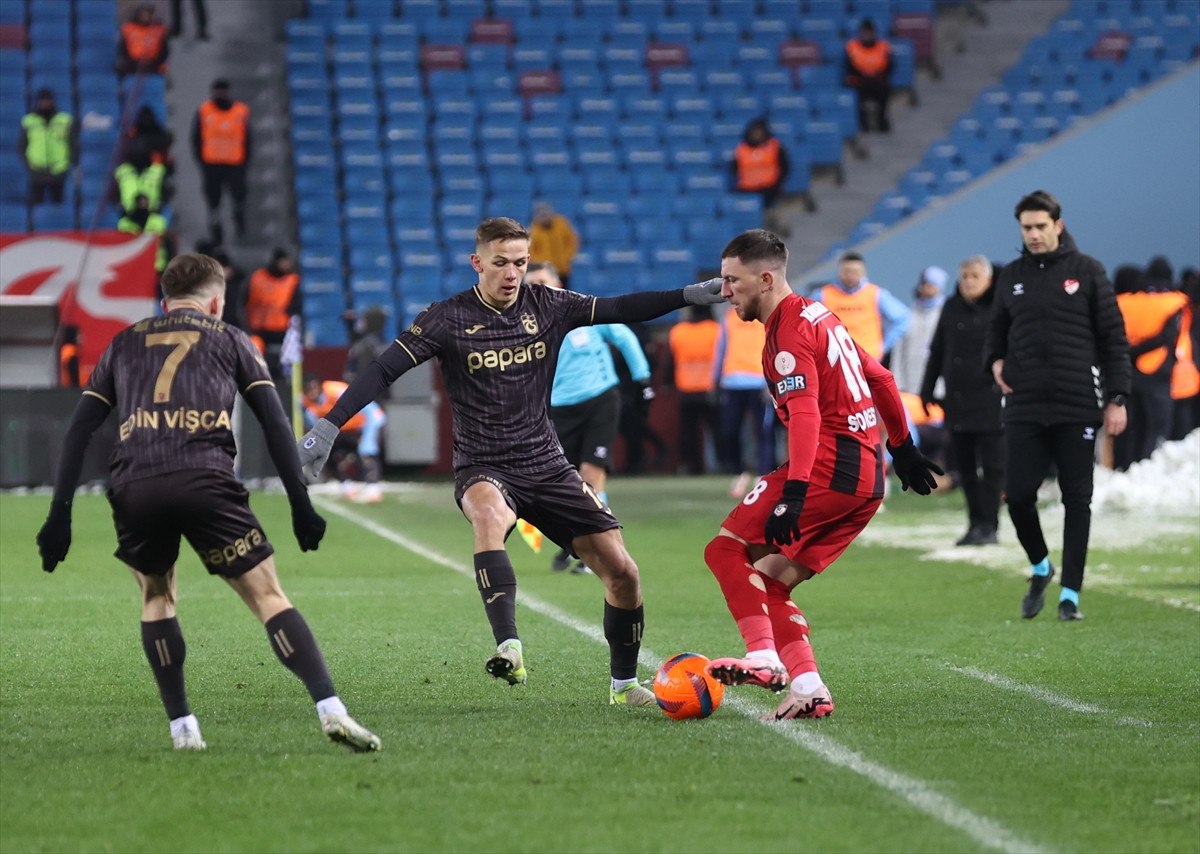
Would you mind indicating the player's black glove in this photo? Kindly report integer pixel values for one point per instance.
(783, 525)
(314, 447)
(914, 469)
(308, 526)
(704, 293)
(54, 539)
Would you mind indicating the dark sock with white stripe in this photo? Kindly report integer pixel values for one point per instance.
(497, 583)
(165, 650)
(296, 647)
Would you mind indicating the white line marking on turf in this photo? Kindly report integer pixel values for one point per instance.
(1044, 695)
(983, 830)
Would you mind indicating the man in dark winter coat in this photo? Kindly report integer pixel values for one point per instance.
(972, 399)
(1056, 346)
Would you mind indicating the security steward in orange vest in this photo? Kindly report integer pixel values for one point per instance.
(68, 357)
(760, 163)
(1154, 322)
(692, 346)
(221, 143)
(871, 314)
(272, 300)
(868, 68)
(142, 48)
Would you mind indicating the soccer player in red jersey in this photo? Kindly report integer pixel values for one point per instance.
(831, 395)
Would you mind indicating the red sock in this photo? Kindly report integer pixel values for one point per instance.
(790, 630)
(744, 588)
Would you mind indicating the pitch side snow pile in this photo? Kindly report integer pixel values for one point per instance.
(1168, 483)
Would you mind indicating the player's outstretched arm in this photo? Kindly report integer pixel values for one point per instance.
(307, 524)
(647, 305)
(54, 538)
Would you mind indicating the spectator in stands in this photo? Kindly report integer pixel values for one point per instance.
(141, 218)
(1185, 380)
(49, 145)
(912, 350)
(552, 240)
(221, 143)
(868, 68)
(743, 396)
(148, 130)
(273, 300)
(235, 289)
(1154, 314)
(139, 175)
(873, 317)
(366, 331)
(692, 347)
(201, 19)
(760, 165)
(971, 400)
(142, 47)
(356, 451)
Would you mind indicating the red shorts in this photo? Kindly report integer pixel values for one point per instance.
(828, 524)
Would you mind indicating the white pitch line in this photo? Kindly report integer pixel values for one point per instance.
(985, 831)
(1050, 698)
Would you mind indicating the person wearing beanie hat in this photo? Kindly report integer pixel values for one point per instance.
(272, 301)
(222, 146)
(49, 145)
(912, 350)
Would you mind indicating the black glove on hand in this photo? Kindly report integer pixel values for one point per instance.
(54, 539)
(704, 293)
(783, 525)
(308, 526)
(314, 448)
(914, 469)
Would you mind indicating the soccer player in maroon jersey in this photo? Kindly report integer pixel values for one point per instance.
(831, 395)
(497, 343)
(172, 382)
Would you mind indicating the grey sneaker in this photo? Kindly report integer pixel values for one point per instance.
(343, 729)
(508, 663)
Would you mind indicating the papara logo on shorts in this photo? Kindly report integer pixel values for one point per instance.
(505, 357)
(230, 552)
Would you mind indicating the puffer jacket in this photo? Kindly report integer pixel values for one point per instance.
(1056, 325)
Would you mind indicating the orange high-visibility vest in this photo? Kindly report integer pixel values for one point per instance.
(757, 165)
(744, 342)
(916, 412)
(223, 133)
(143, 42)
(859, 313)
(331, 390)
(693, 349)
(1185, 377)
(68, 366)
(268, 300)
(1145, 314)
(869, 61)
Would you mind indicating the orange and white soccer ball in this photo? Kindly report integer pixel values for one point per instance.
(684, 690)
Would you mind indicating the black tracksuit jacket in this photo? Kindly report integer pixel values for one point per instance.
(972, 401)
(1056, 325)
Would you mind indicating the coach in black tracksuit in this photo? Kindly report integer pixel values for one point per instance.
(972, 398)
(1057, 349)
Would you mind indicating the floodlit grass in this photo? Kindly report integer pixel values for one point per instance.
(959, 726)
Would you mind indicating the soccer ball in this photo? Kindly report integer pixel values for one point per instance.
(684, 690)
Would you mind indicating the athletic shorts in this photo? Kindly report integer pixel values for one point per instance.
(560, 504)
(588, 430)
(210, 508)
(829, 521)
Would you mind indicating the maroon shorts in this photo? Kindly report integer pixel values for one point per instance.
(210, 508)
(828, 524)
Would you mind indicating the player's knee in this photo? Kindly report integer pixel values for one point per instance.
(719, 550)
(490, 518)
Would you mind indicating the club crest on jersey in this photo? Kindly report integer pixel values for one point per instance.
(530, 323)
(798, 382)
(785, 362)
(1070, 285)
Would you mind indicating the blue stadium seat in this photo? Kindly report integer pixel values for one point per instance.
(328, 10)
(824, 141)
(53, 218)
(658, 183)
(372, 259)
(374, 11)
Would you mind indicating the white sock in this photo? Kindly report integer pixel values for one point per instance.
(768, 655)
(807, 683)
(186, 722)
(619, 685)
(331, 706)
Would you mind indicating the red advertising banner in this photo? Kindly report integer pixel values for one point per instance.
(103, 281)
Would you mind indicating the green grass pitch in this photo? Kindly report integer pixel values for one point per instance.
(959, 726)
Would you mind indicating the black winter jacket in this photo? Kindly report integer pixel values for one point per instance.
(1056, 325)
(972, 401)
